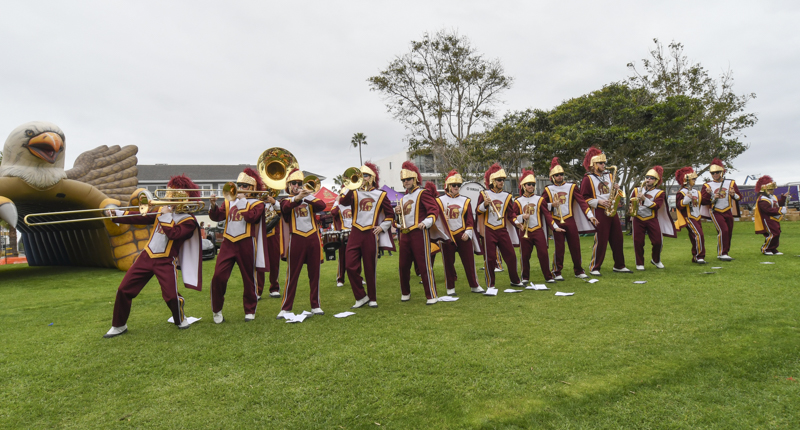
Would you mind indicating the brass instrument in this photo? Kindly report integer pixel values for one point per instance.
(527, 221)
(489, 202)
(274, 166)
(399, 204)
(311, 184)
(634, 205)
(616, 195)
(32, 224)
(352, 178)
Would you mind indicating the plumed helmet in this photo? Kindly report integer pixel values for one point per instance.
(657, 172)
(430, 186)
(410, 170)
(371, 169)
(453, 178)
(528, 177)
(555, 167)
(182, 182)
(766, 183)
(494, 172)
(593, 155)
(716, 166)
(683, 175)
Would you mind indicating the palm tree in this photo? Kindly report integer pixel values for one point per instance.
(358, 140)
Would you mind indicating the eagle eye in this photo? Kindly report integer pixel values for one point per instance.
(29, 133)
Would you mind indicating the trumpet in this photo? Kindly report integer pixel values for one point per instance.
(353, 179)
(399, 204)
(527, 221)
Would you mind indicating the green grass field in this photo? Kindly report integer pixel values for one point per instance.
(685, 350)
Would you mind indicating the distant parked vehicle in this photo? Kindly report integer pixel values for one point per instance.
(209, 250)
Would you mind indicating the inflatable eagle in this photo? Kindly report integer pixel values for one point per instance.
(33, 180)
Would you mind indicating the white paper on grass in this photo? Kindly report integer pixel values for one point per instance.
(639, 282)
(592, 281)
(297, 318)
(537, 287)
(767, 262)
(511, 290)
(490, 292)
(559, 293)
(715, 268)
(344, 314)
(448, 299)
(191, 320)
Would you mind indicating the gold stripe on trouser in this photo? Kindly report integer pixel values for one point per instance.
(255, 271)
(180, 299)
(698, 240)
(288, 271)
(768, 240)
(431, 280)
(719, 234)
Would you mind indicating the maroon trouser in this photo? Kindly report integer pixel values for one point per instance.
(539, 240)
(772, 236)
(415, 247)
(464, 249)
(573, 240)
(302, 250)
(341, 269)
(243, 253)
(499, 240)
(652, 229)
(608, 229)
(697, 239)
(724, 223)
(274, 250)
(137, 277)
(362, 244)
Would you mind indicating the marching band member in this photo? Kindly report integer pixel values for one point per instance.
(458, 213)
(420, 221)
(596, 188)
(571, 214)
(342, 221)
(273, 246)
(371, 224)
(687, 203)
(304, 245)
(533, 221)
(720, 200)
(651, 218)
(769, 212)
(244, 243)
(499, 232)
(175, 241)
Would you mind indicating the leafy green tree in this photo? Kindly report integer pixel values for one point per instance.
(442, 91)
(338, 180)
(12, 233)
(358, 140)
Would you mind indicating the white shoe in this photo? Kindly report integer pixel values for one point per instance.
(582, 276)
(595, 273)
(282, 315)
(623, 270)
(249, 317)
(517, 285)
(477, 289)
(777, 253)
(700, 261)
(725, 257)
(431, 301)
(317, 311)
(372, 304)
(497, 269)
(767, 253)
(451, 291)
(275, 294)
(639, 267)
(559, 278)
(551, 281)
(339, 284)
(360, 303)
(363, 282)
(524, 281)
(184, 324)
(116, 331)
(218, 318)
(258, 298)
(660, 265)
(405, 297)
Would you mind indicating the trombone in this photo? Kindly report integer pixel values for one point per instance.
(64, 221)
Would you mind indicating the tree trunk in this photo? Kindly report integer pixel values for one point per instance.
(360, 158)
(12, 242)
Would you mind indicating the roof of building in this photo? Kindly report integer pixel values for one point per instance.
(197, 172)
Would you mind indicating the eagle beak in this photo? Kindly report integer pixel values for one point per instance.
(46, 146)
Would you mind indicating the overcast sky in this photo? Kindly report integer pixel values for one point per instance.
(195, 82)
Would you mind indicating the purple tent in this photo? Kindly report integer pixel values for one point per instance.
(392, 195)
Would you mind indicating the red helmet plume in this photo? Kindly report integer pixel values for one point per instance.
(407, 165)
(492, 170)
(182, 182)
(430, 186)
(587, 160)
(680, 175)
(376, 179)
(764, 180)
(253, 174)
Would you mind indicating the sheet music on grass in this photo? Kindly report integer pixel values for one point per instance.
(448, 299)
(492, 291)
(292, 318)
(511, 290)
(559, 293)
(537, 287)
(191, 320)
(344, 314)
